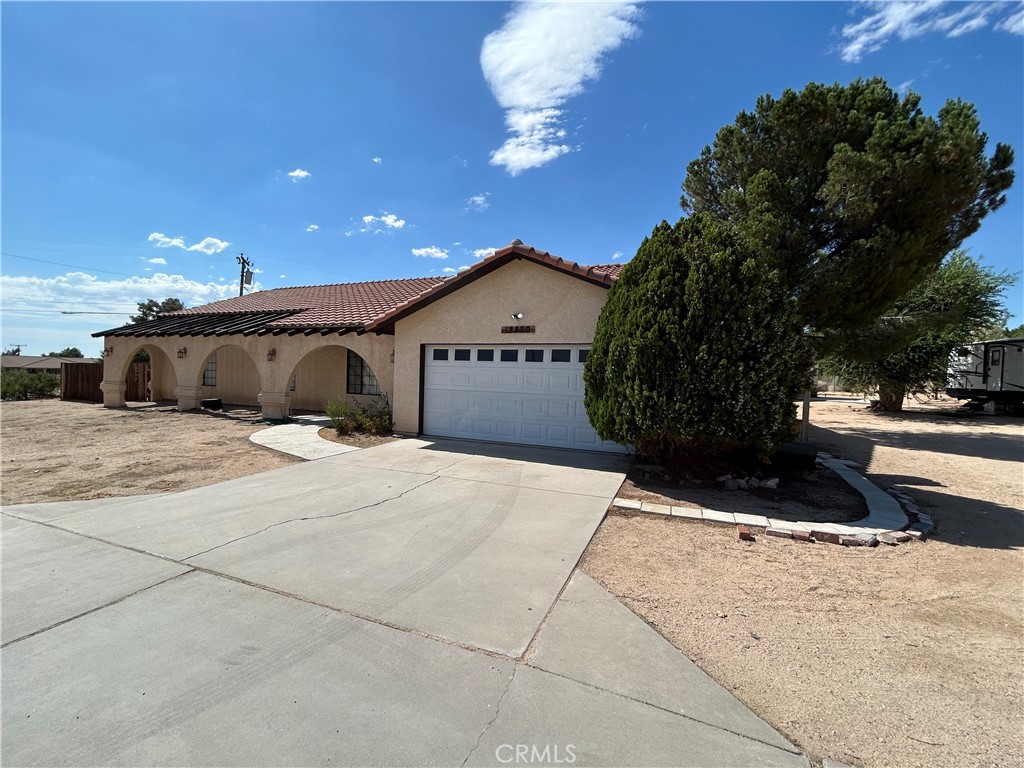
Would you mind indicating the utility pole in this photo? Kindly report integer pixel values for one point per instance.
(245, 278)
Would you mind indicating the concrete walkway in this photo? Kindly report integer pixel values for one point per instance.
(301, 438)
(404, 604)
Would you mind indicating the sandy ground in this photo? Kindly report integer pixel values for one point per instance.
(58, 451)
(877, 657)
(357, 439)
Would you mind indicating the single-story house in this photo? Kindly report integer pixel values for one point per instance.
(39, 364)
(494, 352)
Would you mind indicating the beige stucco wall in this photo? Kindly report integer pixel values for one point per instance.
(272, 377)
(563, 309)
(162, 381)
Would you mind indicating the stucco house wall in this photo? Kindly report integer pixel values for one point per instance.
(562, 308)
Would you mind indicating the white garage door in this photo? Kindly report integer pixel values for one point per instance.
(530, 394)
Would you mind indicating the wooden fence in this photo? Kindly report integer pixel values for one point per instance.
(81, 381)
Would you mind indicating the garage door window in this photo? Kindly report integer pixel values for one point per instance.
(485, 355)
(361, 380)
(535, 355)
(440, 354)
(509, 355)
(462, 354)
(583, 355)
(561, 356)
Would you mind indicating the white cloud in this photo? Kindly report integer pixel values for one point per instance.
(282, 276)
(163, 241)
(904, 86)
(907, 19)
(312, 228)
(157, 260)
(541, 57)
(431, 252)
(453, 270)
(210, 245)
(298, 173)
(477, 203)
(483, 252)
(617, 255)
(378, 224)
(377, 160)
(1014, 24)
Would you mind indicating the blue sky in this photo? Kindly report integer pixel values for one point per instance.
(145, 145)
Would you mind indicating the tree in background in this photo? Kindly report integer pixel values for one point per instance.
(850, 193)
(1013, 333)
(18, 384)
(697, 347)
(66, 352)
(148, 310)
(958, 302)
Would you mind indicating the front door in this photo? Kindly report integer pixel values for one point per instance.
(995, 369)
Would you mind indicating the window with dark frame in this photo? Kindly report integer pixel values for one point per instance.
(485, 355)
(210, 372)
(361, 380)
(534, 356)
(561, 355)
(509, 355)
(462, 354)
(440, 354)
(583, 355)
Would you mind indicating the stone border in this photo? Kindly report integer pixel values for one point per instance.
(887, 522)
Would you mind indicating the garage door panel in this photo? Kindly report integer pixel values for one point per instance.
(536, 402)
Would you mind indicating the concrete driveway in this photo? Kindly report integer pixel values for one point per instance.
(405, 604)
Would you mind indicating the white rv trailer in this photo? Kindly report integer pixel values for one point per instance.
(988, 372)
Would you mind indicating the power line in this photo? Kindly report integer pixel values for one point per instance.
(62, 264)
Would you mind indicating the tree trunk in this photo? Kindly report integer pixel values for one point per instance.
(890, 397)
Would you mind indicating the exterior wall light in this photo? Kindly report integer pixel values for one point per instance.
(271, 354)
(182, 352)
(517, 315)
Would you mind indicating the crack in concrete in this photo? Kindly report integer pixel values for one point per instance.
(312, 517)
(497, 711)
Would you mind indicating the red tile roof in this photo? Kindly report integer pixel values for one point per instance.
(344, 307)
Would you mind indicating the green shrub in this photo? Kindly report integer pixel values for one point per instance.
(22, 385)
(374, 419)
(697, 348)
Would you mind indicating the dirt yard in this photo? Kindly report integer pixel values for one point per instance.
(905, 656)
(59, 451)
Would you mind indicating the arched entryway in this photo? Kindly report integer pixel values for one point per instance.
(328, 372)
(149, 376)
(229, 374)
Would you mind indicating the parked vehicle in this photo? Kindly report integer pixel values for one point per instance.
(988, 372)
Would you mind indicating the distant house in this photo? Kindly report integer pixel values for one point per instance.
(37, 364)
(494, 352)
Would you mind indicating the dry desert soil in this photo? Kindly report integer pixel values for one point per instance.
(55, 450)
(889, 656)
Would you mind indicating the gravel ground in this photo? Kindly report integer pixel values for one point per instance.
(876, 657)
(53, 450)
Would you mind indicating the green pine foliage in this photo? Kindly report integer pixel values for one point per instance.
(17, 384)
(956, 304)
(696, 347)
(852, 192)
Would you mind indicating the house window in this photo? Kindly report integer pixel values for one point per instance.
(291, 387)
(210, 372)
(561, 356)
(462, 354)
(997, 356)
(509, 355)
(535, 355)
(440, 354)
(361, 380)
(583, 355)
(485, 355)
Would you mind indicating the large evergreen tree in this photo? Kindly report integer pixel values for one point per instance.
(148, 310)
(697, 345)
(851, 192)
(958, 302)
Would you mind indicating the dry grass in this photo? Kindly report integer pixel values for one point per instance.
(875, 657)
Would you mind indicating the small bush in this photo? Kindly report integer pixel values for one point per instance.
(22, 385)
(373, 419)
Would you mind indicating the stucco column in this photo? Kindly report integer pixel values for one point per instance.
(113, 393)
(188, 397)
(275, 404)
